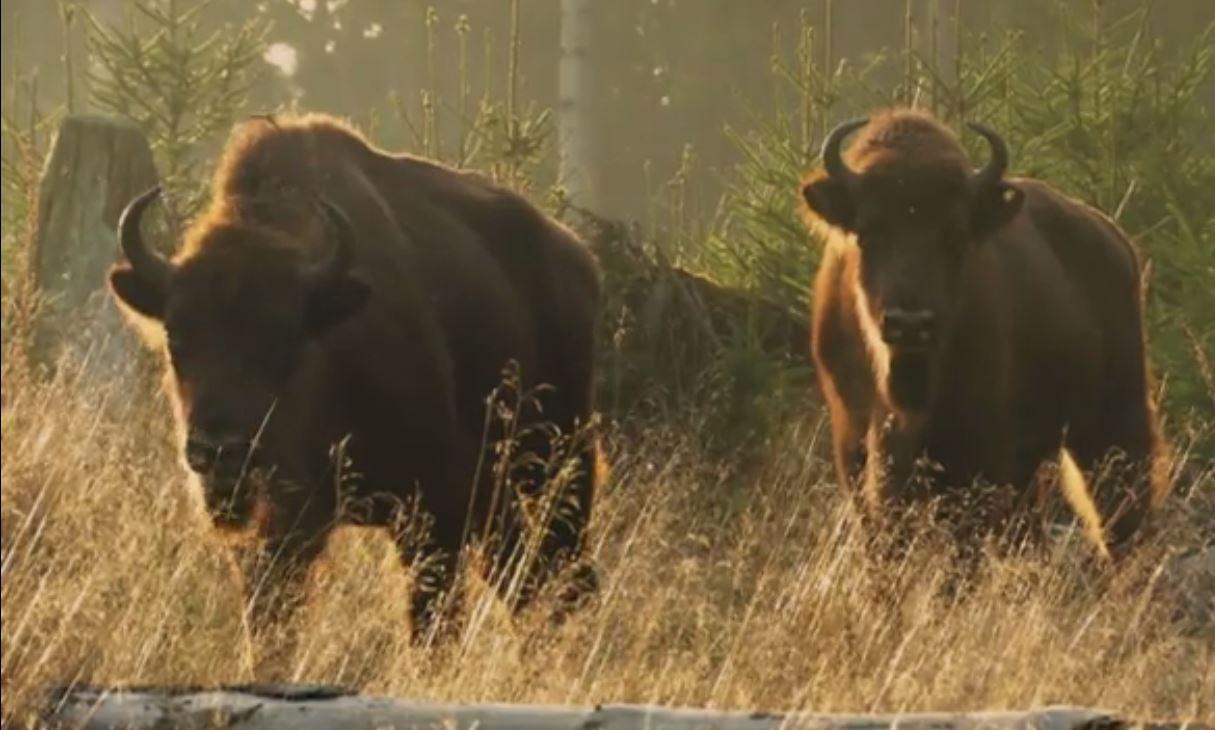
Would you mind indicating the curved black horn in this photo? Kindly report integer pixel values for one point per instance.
(832, 162)
(148, 264)
(341, 256)
(995, 168)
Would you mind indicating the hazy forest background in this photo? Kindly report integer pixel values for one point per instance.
(674, 142)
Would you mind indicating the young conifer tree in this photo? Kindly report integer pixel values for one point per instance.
(182, 79)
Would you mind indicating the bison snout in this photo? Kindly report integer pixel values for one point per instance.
(906, 329)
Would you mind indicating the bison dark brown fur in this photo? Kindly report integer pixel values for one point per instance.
(338, 302)
(979, 321)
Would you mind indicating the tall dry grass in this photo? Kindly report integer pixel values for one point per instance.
(723, 588)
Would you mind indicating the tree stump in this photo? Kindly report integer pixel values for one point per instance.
(97, 164)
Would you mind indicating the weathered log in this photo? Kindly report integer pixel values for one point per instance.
(97, 164)
(668, 331)
(659, 290)
(304, 707)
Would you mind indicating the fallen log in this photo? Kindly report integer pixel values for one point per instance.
(269, 707)
(671, 336)
(662, 293)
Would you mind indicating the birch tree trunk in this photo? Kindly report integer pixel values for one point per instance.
(575, 89)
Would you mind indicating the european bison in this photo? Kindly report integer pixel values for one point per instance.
(966, 326)
(334, 324)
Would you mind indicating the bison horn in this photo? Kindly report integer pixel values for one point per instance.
(994, 170)
(832, 162)
(341, 256)
(148, 264)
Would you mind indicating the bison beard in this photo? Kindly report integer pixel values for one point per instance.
(1037, 343)
(338, 312)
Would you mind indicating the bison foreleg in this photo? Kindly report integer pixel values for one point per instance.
(891, 474)
(562, 545)
(1122, 487)
(851, 455)
(276, 581)
(275, 574)
(540, 529)
(895, 482)
(435, 598)
(1125, 461)
(435, 595)
(849, 423)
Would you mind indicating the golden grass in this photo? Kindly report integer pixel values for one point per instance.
(722, 589)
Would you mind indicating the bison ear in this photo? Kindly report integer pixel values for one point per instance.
(996, 207)
(136, 293)
(334, 303)
(830, 200)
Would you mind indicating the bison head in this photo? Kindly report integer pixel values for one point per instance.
(916, 210)
(241, 315)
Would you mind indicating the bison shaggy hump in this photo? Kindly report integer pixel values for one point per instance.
(335, 322)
